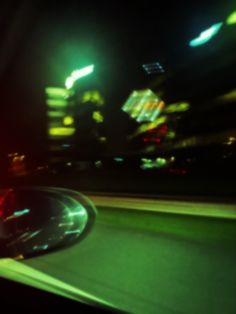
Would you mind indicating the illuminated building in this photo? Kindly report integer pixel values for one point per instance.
(75, 117)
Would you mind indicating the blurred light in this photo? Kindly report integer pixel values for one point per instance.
(66, 224)
(55, 114)
(231, 18)
(57, 92)
(68, 120)
(102, 139)
(56, 102)
(60, 131)
(98, 117)
(172, 158)
(93, 96)
(40, 247)
(148, 126)
(178, 107)
(231, 96)
(206, 35)
(143, 105)
(77, 74)
(21, 212)
(231, 140)
(161, 162)
(73, 231)
(151, 68)
(119, 159)
(98, 164)
(69, 164)
(13, 154)
(170, 135)
(66, 145)
(78, 212)
(69, 82)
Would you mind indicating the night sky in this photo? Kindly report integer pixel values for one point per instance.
(54, 38)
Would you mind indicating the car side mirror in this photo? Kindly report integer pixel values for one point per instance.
(37, 220)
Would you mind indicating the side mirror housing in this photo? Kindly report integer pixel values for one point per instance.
(37, 220)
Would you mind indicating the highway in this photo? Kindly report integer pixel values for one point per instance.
(153, 256)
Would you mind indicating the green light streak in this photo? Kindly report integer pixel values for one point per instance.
(55, 114)
(79, 213)
(21, 212)
(119, 159)
(57, 92)
(56, 103)
(40, 247)
(69, 82)
(178, 107)
(73, 231)
(206, 35)
(231, 19)
(60, 131)
(19, 272)
(77, 74)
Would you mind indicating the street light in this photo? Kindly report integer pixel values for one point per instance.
(206, 35)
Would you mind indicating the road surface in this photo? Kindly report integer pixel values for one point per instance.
(157, 261)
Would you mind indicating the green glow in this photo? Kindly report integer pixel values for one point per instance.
(143, 105)
(24, 274)
(231, 96)
(178, 107)
(57, 92)
(231, 19)
(78, 213)
(73, 231)
(119, 159)
(98, 117)
(160, 162)
(149, 126)
(68, 120)
(170, 135)
(21, 212)
(206, 35)
(55, 114)
(102, 139)
(60, 131)
(77, 74)
(93, 96)
(69, 82)
(56, 103)
(40, 247)
(98, 164)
